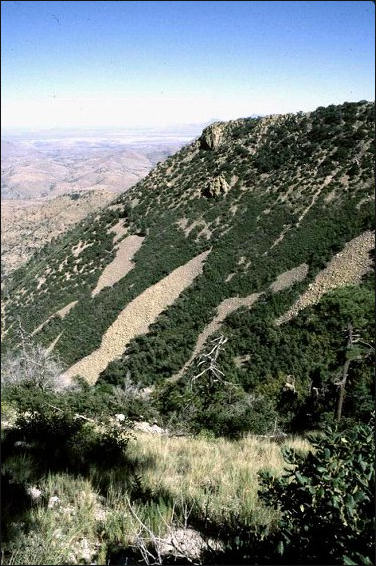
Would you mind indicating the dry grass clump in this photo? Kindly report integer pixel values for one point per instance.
(178, 477)
(63, 523)
(220, 475)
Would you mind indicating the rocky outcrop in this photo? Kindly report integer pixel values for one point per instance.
(216, 187)
(212, 136)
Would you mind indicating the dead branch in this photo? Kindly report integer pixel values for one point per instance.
(210, 358)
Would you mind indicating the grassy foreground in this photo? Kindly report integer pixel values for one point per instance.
(168, 483)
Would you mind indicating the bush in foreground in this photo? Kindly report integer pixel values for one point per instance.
(326, 500)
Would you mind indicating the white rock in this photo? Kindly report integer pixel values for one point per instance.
(53, 501)
(186, 541)
(85, 550)
(212, 136)
(144, 426)
(100, 514)
(120, 417)
(34, 492)
(22, 444)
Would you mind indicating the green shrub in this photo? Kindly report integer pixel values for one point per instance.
(61, 438)
(219, 409)
(326, 500)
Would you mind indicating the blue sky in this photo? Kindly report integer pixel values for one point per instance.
(97, 64)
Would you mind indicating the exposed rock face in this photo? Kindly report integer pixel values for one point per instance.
(144, 426)
(212, 136)
(216, 187)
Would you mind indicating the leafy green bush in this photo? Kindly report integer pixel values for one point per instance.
(219, 408)
(326, 500)
(69, 439)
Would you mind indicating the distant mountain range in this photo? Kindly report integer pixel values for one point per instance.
(34, 167)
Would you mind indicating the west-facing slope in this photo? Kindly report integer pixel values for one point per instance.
(264, 199)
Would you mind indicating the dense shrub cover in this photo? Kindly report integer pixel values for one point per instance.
(299, 188)
(307, 176)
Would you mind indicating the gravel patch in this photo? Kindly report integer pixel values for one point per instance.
(136, 318)
(120, 265)
(62, 313)
(345, 268)
(119, 230)
(289, 278)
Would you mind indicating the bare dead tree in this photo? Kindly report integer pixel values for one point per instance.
(208, 362)
(128, 390)
(30, 364)
(341, 384)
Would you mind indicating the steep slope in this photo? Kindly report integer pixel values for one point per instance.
(265, 196)
(27, 226)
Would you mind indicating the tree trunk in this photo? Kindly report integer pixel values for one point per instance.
(342, 384)
(342, 390)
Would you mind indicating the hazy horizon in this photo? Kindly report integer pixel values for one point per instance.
(130, 65)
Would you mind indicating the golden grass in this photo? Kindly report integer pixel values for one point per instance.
(219, 475)
(216, 478)
(64, 532)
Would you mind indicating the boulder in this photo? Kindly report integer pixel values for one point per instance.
(216, 187)
(144, 426)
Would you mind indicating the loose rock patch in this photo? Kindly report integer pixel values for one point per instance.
(289, 278)
(119, 230)
(136, 318)
(121, 264)
(62, 313)
(345, 268)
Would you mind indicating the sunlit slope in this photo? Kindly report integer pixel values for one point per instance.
(261, 196)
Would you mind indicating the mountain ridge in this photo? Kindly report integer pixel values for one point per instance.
(266, 195)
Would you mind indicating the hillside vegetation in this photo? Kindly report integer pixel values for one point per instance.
(223, 308)
(264, 199)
